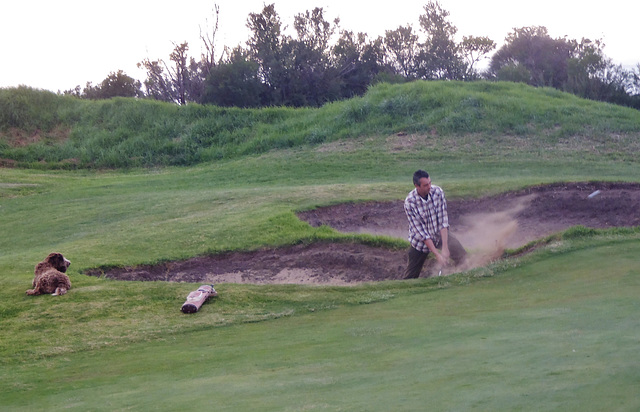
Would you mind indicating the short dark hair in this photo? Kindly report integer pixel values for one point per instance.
(419, 174)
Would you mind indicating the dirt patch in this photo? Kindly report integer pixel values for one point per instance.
(316, 263)
(21, 138)
(485, 226)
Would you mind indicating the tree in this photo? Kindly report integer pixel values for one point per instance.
(179, 82)
(116, 84)
(179, 73)
(634, 81)
(358, 62)
(314, 31)
(439, 55)
(265, 48)
(182, 80)
(594, 76)
(235, 83)
(435, 54)
(313, 79)
(201, 70)
(613, 85)
(298, 70)
(208, 59)
(532, 56)
(473, 50)
(157, 84)
(545, 59)
(402, 49)
(586, 64)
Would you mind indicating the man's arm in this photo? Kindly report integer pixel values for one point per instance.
(444, 235)
(439, 256)
(443, 219)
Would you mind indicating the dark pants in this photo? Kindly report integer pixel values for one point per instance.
(417, 258)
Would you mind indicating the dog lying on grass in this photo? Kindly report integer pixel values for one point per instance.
(50, 276)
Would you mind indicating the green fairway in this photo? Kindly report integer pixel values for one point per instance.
(555, 329)
(561, 332)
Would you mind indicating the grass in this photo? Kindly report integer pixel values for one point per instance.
(42, 130)
(550, 333)
(497, 338)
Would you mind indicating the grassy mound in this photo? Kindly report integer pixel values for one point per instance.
(42, 130)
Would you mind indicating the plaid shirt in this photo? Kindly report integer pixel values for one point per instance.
(426, 217)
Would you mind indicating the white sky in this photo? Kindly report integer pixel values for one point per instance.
(58, 44)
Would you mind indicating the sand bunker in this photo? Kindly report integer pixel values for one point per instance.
(485, 226)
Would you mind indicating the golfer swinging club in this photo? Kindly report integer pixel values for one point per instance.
(426, 209)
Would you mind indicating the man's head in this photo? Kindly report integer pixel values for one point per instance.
(422, 182)
(419, 174)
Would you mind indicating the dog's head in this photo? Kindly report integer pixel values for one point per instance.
(58, 261)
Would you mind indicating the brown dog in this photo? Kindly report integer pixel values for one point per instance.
(50, 277)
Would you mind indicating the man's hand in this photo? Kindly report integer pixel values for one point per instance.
(441, 256)
(445, 252)
(442, 260)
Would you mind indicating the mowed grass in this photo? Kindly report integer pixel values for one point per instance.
(454, 342)
(497, 338)
(559, 332)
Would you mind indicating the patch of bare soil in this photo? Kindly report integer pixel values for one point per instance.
(21, 138)
(485, 226)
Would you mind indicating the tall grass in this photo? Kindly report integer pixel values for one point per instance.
(30, 109)
(129, 133)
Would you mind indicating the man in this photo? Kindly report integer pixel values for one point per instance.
(426, 209)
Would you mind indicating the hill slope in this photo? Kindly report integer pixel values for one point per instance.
(44, 130)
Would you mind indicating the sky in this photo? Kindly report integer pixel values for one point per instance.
(58, 44)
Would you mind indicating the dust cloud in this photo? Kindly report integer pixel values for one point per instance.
(486, 235)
